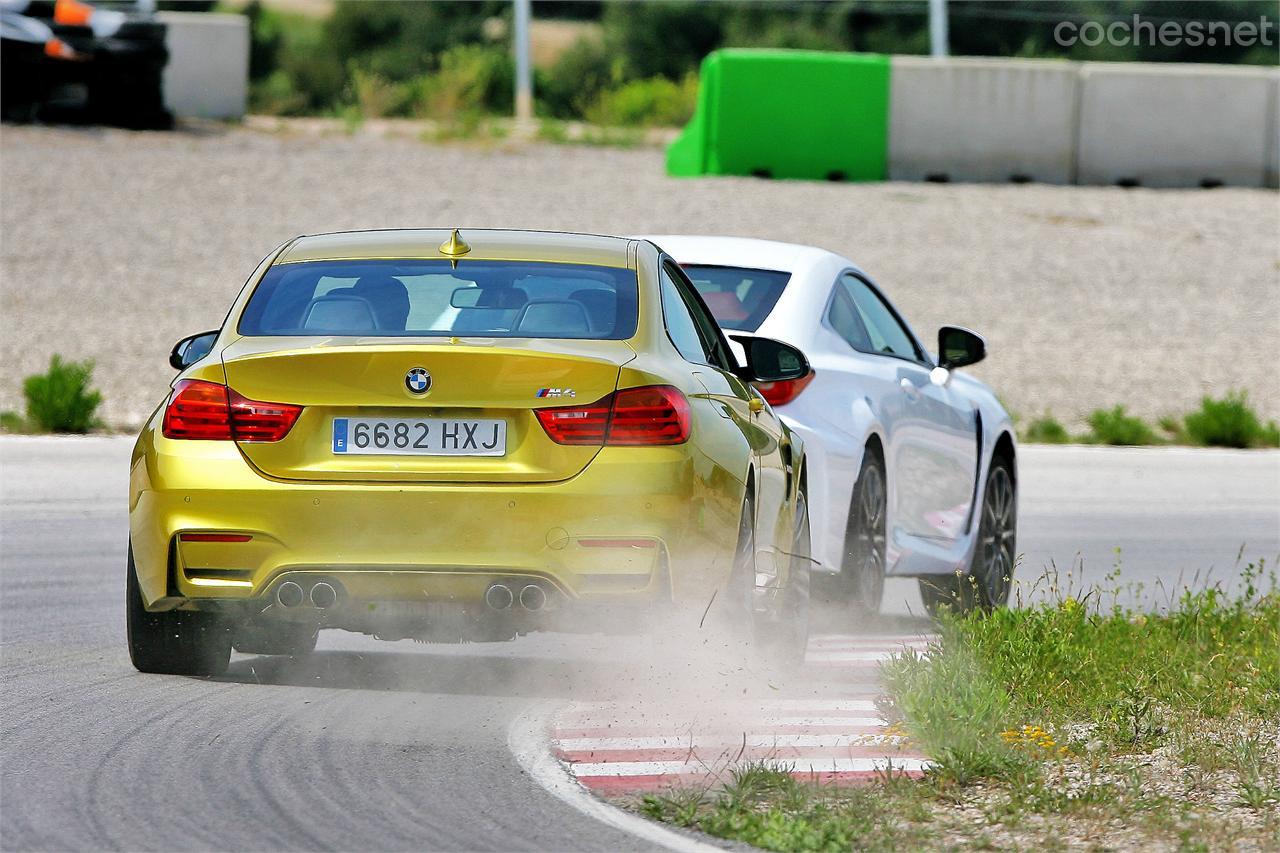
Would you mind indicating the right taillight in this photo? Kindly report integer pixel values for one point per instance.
(208, 410)
(781, 393)
(650, 415)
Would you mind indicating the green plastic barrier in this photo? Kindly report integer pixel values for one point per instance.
(788, 114)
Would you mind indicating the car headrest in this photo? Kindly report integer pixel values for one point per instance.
(601, 306)
(552, 318)
(389, 298)
(341, 314)
(725, 306)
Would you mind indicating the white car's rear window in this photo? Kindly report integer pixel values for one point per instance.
(739, 298)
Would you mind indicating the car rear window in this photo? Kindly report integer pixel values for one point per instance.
(499, 299)
(739, 298)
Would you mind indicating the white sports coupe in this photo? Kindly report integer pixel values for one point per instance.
(912, 466)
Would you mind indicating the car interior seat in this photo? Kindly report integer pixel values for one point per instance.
(725, 305)
(553, 318)
(496, 310)
(601, 306)
(389, 298)
(339, 313)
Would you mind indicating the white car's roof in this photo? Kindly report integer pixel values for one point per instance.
(813, 271)
(744, 252)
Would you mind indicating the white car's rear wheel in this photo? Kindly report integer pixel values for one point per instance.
(864, 558)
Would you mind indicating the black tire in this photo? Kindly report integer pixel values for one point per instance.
(990, 578)
(295, 639)
(786, 637)
(175, 642)
(778, 636)
(865, 537)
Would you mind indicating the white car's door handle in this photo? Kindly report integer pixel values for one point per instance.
(909, 388)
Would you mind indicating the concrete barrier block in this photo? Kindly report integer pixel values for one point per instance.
(967, 119)
(1165, 125)
(208, 71)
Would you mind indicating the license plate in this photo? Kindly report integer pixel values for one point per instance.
(419, 437)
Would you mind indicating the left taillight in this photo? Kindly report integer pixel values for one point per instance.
(783, 392)
(207, 410)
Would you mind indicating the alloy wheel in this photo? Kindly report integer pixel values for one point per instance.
(998, 537)
(869, 533)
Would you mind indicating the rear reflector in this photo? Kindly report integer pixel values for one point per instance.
(207, 410)
(650, 415)
(215, 537)
(781, 393)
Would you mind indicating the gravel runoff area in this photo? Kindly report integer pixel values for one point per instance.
(116, 243)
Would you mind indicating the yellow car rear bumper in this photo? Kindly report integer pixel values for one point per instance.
(637, 523)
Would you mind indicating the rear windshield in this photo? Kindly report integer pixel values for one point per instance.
(739, 298)
(500, 299)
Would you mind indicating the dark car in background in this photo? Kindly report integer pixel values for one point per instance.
(70, 61)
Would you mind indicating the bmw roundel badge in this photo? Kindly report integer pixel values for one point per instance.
(418, 380)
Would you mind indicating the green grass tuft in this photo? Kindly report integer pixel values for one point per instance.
(1046, 430)
(1229, 422)
(763, 805)
(1115, 426)
(62, 400)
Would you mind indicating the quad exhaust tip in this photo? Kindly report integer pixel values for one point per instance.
(533, 597)
(499, 596)
(289, 594)
(323, 595)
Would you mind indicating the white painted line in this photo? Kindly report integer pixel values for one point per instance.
(799, 765)
(822, 704)
(616, 709)
(847, 657)
(600, 744)
(739, 724)
(527, 740)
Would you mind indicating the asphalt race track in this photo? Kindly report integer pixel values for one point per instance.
(371, 745)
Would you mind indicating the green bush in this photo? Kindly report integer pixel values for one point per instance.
(663, 39)
(293, 71)
(472, 79)
(656, 102)
(61, 400)
(277, 95)
(1046, 430)
(1114, 426)
(377, 97)
(401, 40)
(1229, 422)
(570, 86)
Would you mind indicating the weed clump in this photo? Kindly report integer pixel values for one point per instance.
(1046, 430)
(1229, 422)
(60, 400)
(1117, 427)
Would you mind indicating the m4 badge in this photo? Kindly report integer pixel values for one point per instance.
(556, 392)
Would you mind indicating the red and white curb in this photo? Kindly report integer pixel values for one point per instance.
(839, 738)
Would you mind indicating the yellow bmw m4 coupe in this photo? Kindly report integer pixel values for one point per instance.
(460, 437)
